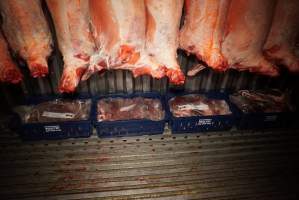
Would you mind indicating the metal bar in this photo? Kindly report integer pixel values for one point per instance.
(119, 79)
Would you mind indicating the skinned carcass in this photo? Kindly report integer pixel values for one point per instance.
(246, 29)
(72, 24)
(27, 32)
(281, 42)
(9, 72)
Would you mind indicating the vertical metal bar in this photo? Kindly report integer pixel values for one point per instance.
(164, 85)
(129, 82)
(26, 83)
(102, 83)
(253, 85)
(208, 84)
(203, 79)
(33, 85)
(24, 89)
(220, 78)
(156, 85)
(138, 84)
(240, 79)
(234, 79)
(215, 78)
(247, 81)
(146, 83)
(111, 81)
(55, 70)
(269, 82)
(192, 83)
(44, 86)
(83, 87)
(198, 78)
(231, 80)
(119, 81)
(283, 84)
(93, 87)
(224, 83)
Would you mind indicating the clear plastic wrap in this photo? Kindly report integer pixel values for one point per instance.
(58, 110)
(112, 109)
(261, 101)
(197, 105)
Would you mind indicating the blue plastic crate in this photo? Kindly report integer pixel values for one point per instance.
(195, 124)
(54, 130)
(263, 120)
(123, 128)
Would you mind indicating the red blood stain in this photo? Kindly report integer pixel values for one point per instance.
(80, 71)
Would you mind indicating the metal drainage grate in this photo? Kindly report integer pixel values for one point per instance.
(222, 165)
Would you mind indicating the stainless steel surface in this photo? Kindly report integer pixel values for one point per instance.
(222, 165)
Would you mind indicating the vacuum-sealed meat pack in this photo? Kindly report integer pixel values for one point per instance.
(58, 110)
(261, 101)
(197, 105)
(112, 109)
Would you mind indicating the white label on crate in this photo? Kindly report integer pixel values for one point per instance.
(270, 118)
(127, 108)
(52, 129)
(204, 122)
(58, 115)
(201, 106)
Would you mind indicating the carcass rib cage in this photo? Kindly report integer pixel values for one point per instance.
(120, 81)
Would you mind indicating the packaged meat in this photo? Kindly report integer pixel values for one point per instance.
(197, 105)
(58, 110)
(112, 109)
(261, 101)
